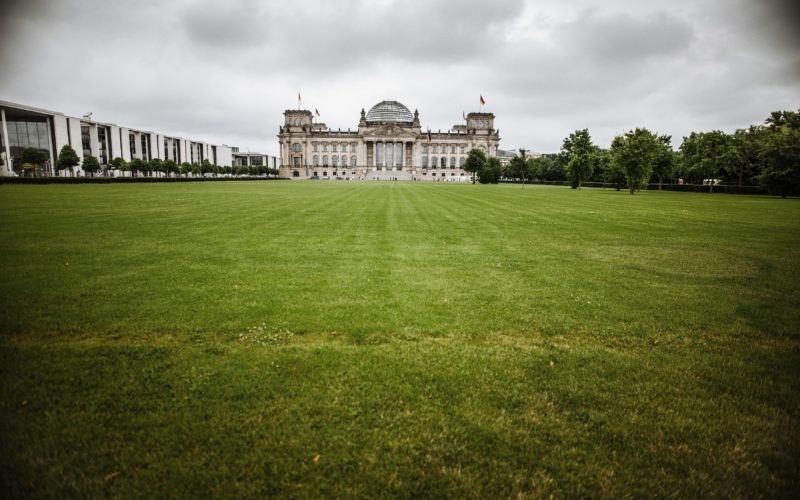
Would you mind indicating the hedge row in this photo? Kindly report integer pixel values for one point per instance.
(124, 180)
(689, 188)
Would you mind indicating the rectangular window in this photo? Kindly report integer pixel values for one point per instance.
(379, 151)
(398, 155)
(85, 140)
(132, 143)
(103, 145)
(389, 154)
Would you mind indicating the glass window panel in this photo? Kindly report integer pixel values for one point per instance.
(389, 156)
(398, 155)
(33, 135)
(44, 141)
(379, 150)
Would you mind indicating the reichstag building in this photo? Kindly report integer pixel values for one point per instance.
(388, 144)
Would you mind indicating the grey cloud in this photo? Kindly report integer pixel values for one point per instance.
(622, 38)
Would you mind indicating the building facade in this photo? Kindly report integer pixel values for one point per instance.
(26, 126)
(389, 143)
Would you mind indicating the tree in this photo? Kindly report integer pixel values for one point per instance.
(186, 168)
(67, 159)
(475, 163)
(119, 164)
(780, 152)
(664, 160)
(706, 154)
(205, 167)
(170, 167)
(492, 171)
(156, 165)
(137, 165)
(518, 168)
(576, 152)
(35, 157)
(744, 156)
(635, 154)
(90, 164)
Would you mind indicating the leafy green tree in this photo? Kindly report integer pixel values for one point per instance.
(34, 156)
(156, 165)
(90, 164)
(169, 167)
(780, 152)
(195, 168)
(664, 160)
(548, 168)
(137, 166)
(744, 156)
(576, 153)
(635, 154)
(119, 164)
(205, 167)
(186, 168)
(475, 163)
(67, 159)
(518, 168)
(706, 154)
(492, 171)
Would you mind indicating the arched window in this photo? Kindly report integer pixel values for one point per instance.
(453, 160)
(335, 160)
(461, 162)
(434, 161)
(324, 147)
(316, 160)
(315, 146)
(344, 160)
(333, 147)
(325, 160)
(444, 162)
(424, 162)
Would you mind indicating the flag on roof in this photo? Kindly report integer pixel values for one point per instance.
(316, 112)
(483, 101)
(428, 137)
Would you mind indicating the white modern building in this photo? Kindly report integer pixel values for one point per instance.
(25, 126)
(389, 143)
(250, 159)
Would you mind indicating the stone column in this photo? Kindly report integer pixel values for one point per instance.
(7, 165)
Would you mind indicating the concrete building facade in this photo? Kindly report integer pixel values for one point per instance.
(25, 126)
(389, 143)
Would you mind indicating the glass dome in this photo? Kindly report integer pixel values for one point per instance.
(389, 111)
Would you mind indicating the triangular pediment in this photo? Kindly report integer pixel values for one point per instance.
(391, 130)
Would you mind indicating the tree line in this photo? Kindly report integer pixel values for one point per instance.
(767, 155)
(68, 159)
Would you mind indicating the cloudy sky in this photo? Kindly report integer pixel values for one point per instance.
(225, 71)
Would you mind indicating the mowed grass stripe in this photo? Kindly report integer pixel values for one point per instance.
(425, 340)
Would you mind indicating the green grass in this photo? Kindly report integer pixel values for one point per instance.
(423, 340)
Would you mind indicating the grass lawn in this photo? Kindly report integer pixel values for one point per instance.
(396, 339)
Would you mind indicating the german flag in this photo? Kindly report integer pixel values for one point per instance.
(316, 112)
(483, 102)
(428, 137)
